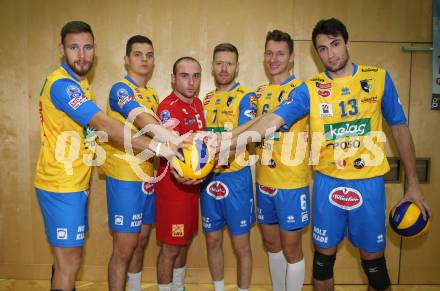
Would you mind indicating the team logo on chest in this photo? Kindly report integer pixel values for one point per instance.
(366, 85)
(229, 101)
(218, 190)
(345, 198)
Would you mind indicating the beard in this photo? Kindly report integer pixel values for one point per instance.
(80, 70)
(342, 64)
(224, 81)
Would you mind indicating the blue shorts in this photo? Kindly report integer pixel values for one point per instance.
(289, 208)
(228, 199)
(129, 204)
(65, 217)
(355, 207)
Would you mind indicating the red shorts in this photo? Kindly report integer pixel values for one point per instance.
(177, 221)
(177, 212)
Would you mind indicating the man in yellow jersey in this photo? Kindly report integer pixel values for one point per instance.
(346, 104)
(283, 203)
(227, 196)
(68, 118)
(130, 196)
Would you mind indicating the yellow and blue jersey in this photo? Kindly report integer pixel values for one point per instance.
(286, 169)
(125, 96)
(226, 110)
(346, 120)
(66, 107)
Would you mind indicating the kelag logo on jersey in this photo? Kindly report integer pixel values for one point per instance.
(147, 188)
(359, 127)
(269, 191)
(345, 198)
(218, 190)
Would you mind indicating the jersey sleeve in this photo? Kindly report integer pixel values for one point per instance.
(67, 96)
(391, 107)
(296, 106)
(247, 108)
(122, 99)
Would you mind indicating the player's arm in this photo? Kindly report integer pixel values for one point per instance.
(405, 145)
(393, 113)
(291, 110)
(67, 96)
(122, 100)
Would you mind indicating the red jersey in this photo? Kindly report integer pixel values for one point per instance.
(190, 117)
(176, 204)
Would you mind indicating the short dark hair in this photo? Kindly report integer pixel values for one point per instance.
(278, 35)
(225, 47)
(190, 59)
(76, 26)
(136, 39)
(331, 26)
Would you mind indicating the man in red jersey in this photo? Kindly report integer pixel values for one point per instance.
(177, 197)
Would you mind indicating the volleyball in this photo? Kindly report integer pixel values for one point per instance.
(407, 220)
(197, 163)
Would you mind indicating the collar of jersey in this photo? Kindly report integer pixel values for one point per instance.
(233, 86)
(291, 78)
(355, 69)
(129, 79)
(70, 72)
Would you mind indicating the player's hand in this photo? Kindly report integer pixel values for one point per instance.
(414, 194)
(183, 180)
(168, 151)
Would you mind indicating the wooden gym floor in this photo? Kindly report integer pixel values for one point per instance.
(43, 285)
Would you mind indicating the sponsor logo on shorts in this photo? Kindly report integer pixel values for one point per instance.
(206, 222)
(177, 230)
(380, 239)
(136, 220)
(62, 233)
(243, 223)
(80, 233)
(372, 99)
(148, 188)
(119, 220)
(218, 190)
(345, 198)
(320, 235)
(290, 219)
(269, 191)
(303, 199)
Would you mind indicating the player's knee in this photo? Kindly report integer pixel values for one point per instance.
(292, 254)
(170, 251)
(214, 242)
(377, 273)
(242, 249)
(271, 245)
(323, 266)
